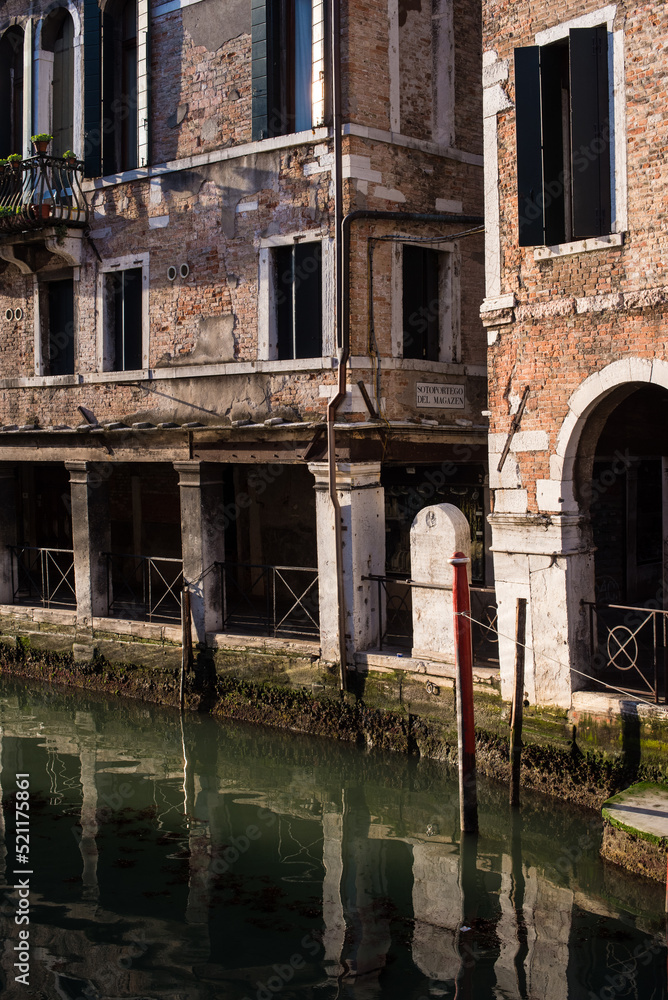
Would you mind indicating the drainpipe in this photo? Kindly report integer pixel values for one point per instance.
(342, 269)
(341, 341)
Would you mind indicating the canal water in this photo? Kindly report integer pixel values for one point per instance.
(195, 859)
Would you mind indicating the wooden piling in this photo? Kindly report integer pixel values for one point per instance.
(468, 797)
(517, 709)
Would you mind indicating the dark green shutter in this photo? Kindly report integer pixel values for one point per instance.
(260, 126)
(528, 142)
(590, 131)
(554, 98)
(110, 90)
(92, 151)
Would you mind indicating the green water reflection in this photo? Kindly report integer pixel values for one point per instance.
(197, 859)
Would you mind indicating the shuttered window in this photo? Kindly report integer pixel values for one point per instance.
(421, 303)
(288, 66)
(563, 139)
(92, 151)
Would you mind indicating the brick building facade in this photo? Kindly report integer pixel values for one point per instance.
(576, 175)
(177, 297)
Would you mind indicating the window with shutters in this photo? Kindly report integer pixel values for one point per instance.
(58, 38)
(11, 92)
(116, 86)
(123, 314)
(565, 138)
(289, 56)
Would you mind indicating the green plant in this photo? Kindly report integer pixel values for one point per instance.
(41, 137)
(5, 210)
(69, 155)
(14, 157)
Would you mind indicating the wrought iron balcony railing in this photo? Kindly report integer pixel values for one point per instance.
(41, 191)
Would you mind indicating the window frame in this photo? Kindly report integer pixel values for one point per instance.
(41, 310)
(105, 347)
(604, 18)
(449, 333)
(267, 341)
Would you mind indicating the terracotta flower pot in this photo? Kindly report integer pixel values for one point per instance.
(41, 146)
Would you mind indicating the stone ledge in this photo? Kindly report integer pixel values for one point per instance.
(262, 643)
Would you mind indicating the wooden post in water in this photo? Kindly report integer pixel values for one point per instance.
(516, 711)
(186, 640)
(468, 797)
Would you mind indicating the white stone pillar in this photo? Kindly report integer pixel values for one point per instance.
(91, 537)
(548, 560)
(436, 534)
(202, 542)
(362, 501)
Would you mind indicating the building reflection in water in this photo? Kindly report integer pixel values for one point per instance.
(184, 858)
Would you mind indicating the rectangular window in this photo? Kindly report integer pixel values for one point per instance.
(124, 319)
(563, 137)
(421, 303)
(59, 331)
(122, 314)
(298, 298)
(288, 66)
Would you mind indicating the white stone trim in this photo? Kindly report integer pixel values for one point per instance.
(449, 302)
(143, 69)
(521, 441)
(267, 333)
(204, 159)
(494, 101)
(102, 351)
(423, 145)
(585, 399)
(579, 246)
(604, 15)
(28, 50)
(424, 367)
(394, 65)
(443, 73)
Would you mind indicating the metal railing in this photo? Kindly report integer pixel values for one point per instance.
(397, 619)
(41, 191)
(632, 642)
(43, 576)
(271, 600)
(147, 587)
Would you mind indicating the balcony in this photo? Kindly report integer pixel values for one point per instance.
(43, 211)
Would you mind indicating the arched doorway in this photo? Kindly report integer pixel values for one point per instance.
(623, 487)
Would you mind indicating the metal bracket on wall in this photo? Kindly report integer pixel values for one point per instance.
(513, 427)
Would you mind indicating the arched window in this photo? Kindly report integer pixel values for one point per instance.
(11, 92)
(58, 37)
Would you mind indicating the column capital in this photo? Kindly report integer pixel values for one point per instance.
(198, 474)
(349, 475)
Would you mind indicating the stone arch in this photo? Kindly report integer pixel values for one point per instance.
(611, 381)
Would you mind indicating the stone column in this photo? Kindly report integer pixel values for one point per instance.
(362, 501)
(7, 530)
(548, 560)
(91, 537)
(202, 542)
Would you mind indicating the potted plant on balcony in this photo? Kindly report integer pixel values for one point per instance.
(14, 159)
(70, 157)
(41, 141)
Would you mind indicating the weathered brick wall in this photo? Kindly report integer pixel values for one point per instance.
(213, 217)
(576, 314)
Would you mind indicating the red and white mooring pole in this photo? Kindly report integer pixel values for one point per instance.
(468, 797)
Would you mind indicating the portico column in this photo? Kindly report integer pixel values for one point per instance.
(362, 502)
(91, 537)
(202, 542)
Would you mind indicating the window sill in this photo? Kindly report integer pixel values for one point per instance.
(579, 246)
